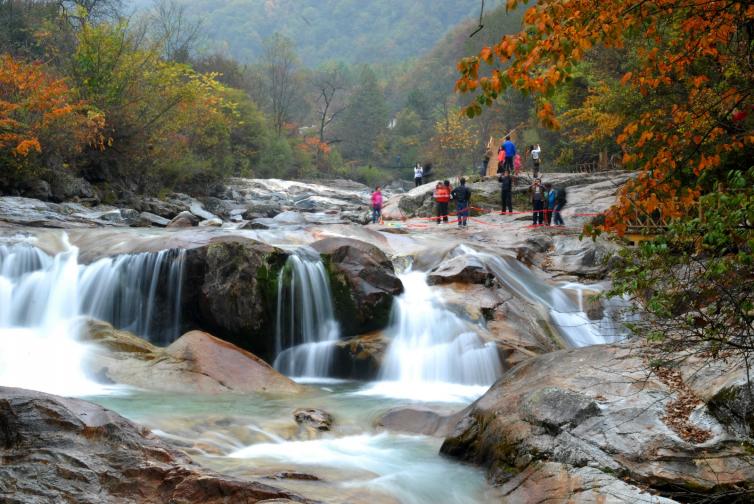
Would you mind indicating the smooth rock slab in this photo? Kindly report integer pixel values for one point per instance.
(600, 407)
(196, 363)
(55, 449)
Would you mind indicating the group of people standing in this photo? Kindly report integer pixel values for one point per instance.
(461, 195)
(547, 201)
(508, 160)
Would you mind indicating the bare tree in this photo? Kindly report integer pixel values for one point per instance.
(79, 11)
(280, 66)
(330, 82)
(176, 33)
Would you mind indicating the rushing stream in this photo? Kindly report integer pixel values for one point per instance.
(255, 437)
(435, 357)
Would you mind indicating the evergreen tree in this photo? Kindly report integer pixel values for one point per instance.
(365, 119)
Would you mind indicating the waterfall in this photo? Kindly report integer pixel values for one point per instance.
(41, 297)
(140, 293)
(567, 316)
(38, 344)
(432, 345)
(305, 328)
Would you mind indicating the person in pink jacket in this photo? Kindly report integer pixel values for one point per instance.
(517, 164)
(376, 205)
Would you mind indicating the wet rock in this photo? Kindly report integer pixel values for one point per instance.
(597, 407)
(183, 219)
(553, 408)
(363, 283)
(360, 357)
(418, 421)
(268, 210)
(32, 212)
(58, 449)
(553, 482)
(311, 417)
(165, 209)
(287, 475)
(216, 222)
(153, 219)
(462, 269)
(231, 291)
(196, 363)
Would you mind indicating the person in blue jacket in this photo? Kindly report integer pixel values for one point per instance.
(551, 194)
(510, 153)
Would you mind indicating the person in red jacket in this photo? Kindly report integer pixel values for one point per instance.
(442, 197)
(376, 205)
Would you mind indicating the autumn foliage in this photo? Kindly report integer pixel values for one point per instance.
(38, 111)
(691, 61)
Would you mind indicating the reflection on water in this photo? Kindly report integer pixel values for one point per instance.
(256, 437)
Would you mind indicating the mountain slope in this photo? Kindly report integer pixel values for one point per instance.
(353, 31)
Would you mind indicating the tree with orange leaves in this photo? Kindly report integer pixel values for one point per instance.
(688, 69)
(39, 119)
(692, 61)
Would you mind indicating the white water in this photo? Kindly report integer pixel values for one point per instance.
(434, 354)
(42, 298)
(38, 345)
(305, 327)
(399, 465)
(569, 318)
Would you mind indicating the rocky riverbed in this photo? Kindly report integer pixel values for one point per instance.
(574, 413)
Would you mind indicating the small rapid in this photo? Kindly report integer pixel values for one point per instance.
(567, 316)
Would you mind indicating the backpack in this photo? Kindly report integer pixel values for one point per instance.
(561, 197)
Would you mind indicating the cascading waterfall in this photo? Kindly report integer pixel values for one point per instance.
(38, 344)
(41, 298)
(127, 291)
(568, 317)
(434, 354)
(306, 328)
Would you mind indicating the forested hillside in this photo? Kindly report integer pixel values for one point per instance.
(124, 92)
(352, 31)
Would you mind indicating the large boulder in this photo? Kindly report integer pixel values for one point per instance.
(230, 290)
(599, 407)
(56, 449)
(65, 187)
(196, 363)
(464, 269)
(183, 220)
(363, 283)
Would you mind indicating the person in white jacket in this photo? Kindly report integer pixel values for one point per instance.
(418, 174)
(535, 155)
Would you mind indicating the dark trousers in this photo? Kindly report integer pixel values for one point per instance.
(538, 213)
(536, 168)
(556, 214)
(417, 181)
(508, 165)
(548, 215)
(442, 211)
(506, 198)
(462, 211)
